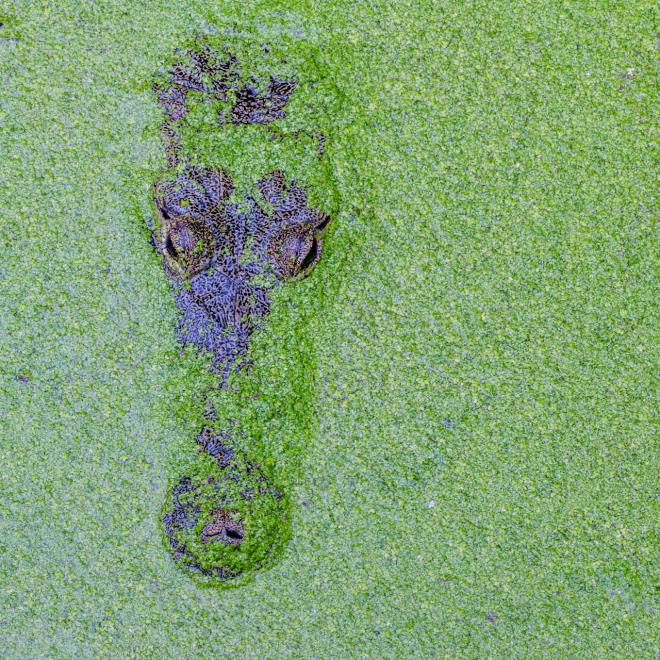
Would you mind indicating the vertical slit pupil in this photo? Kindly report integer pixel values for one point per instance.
(169, 246)
(311, 255)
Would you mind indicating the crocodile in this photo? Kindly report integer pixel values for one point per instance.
(225, 247)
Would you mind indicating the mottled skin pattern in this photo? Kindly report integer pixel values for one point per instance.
(223, 254)
(223, 259)
(217, 78)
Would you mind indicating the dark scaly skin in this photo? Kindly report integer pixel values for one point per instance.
(215, 254)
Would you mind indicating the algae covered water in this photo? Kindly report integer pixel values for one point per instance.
(457, 401)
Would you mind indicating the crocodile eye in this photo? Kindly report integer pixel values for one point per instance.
(294, 251)
(188, 245)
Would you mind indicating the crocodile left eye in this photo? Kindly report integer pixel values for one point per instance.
(188, 244)
(294, 251)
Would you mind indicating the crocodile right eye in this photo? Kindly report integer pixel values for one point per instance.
(294, 251)
(188, 245)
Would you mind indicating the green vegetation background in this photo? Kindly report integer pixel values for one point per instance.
(459, 401)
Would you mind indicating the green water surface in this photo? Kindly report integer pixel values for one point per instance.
(459, 401)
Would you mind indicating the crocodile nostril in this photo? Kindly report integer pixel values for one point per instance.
(234, 534)
(223, 527)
